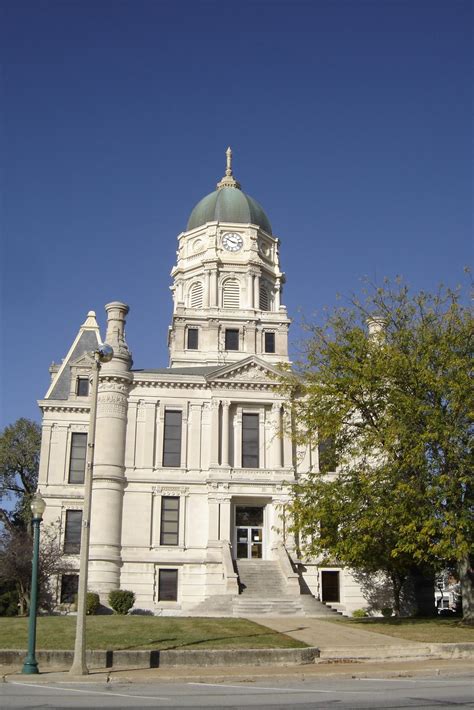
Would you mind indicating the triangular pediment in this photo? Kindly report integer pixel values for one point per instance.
(252, 369)
(85, 360)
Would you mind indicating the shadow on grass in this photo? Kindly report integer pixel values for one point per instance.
(197, 643)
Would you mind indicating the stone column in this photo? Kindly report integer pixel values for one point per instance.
(250, 289)
(225, 532)
(287, 443)
(214, 434)
(277, 441)
(276, 303)
(256, 292)
(109, 459)
(225, 433)
(213, 295)
(214, 511)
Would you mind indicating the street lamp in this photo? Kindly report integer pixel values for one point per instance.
(37, 506)
(104, 353)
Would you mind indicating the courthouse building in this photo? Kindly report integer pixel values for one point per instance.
(193, 462)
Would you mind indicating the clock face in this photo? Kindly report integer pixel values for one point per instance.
(232, 241)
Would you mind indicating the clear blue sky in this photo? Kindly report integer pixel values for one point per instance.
(350, 123)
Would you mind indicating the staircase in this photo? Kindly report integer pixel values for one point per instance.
(264, 591)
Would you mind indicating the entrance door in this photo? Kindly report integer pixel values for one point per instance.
(330, 587)
(249, 532)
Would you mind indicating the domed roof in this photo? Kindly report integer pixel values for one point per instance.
(229, 204)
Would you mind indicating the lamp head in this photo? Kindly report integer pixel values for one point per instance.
(105, 352)
(37, 506)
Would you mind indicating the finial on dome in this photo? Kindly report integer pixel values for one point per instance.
(228, 180)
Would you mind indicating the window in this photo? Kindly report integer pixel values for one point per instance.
(72, 533)
(172, 439)
(231, 294)
(231, 339)
(264, 298)
(69, 587)
(193, 338)
(168, 585)
(169, 529)
(327, 456)
(82, 386)
(195, 295)
(77, 461)
(250, 443)
(269, 342)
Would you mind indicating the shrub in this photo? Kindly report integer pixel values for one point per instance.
(387, 612)
(9, 603)
(121, 600)
(359, 614)
(92, 603)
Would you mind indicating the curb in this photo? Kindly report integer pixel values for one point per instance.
(142, 660)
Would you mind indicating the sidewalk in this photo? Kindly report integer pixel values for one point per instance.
(394, 669)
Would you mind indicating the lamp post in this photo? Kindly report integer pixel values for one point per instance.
(37, 506)
(104, 353)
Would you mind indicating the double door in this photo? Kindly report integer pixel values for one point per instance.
(248, 532)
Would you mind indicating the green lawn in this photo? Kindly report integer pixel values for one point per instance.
(144, 632)
(424, 630)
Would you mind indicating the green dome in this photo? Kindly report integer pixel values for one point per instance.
(229, 204)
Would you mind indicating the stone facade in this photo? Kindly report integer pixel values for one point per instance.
(193, 462)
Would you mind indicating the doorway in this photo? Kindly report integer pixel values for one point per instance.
(249, 532)
(330, 587)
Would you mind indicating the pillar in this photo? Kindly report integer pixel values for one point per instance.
(109, 459)
(225, 433)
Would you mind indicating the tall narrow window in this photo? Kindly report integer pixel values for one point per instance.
(328, 459)
(169, 528)
(72, 532)
(195, 295)
(269, 342)
(264, 298)
(231, 294)
(168, 585)
(77, 461)
(250, 442)
(172, 439)
(193, 338)
(82, 386)
(231, 339)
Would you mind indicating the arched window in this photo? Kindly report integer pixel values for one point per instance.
(264, 298)
(231, 294)
(195, 295)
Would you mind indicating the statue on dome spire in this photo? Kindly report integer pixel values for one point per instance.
(228, 180)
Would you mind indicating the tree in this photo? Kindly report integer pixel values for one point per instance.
(16, 550)
(19, 462)
(387, 380)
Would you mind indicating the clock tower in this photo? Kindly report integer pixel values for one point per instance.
(227, 283)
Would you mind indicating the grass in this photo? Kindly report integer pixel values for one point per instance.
(144, 632)
(424, 630)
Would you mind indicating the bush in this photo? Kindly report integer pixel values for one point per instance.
(359, 614)
(121, 600)
(92, 603)
(9, 603)
(387, 612)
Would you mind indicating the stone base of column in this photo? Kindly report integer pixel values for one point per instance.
(104, 575)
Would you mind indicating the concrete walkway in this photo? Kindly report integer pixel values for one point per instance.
(327, 634)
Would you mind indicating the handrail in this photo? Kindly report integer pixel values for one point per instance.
(291, 577)
(230, 577)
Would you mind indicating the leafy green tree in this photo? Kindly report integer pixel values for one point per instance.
(19, 462)
(388, 382)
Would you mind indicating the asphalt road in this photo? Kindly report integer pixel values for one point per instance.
(426, 693)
